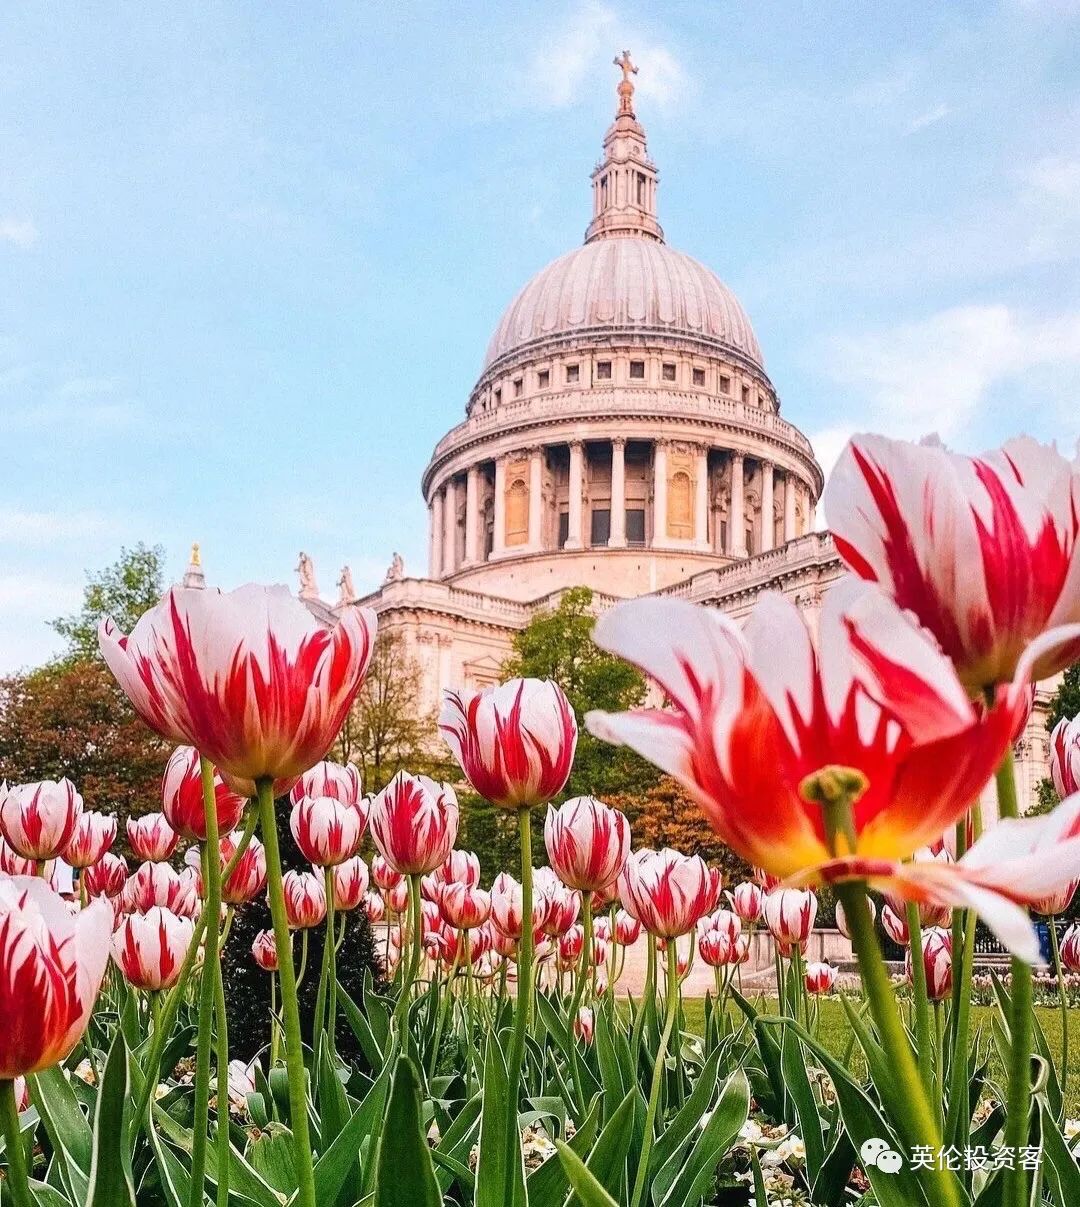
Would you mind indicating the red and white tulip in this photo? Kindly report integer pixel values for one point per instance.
(182, 797)
(842, 923)
(248, 878)
(414, 822)
(463, 906)
(249, 677)
(790, 914)
(326, 831)
(1070, 948)
(506, 906)
(264, 951)
(983, 551)
(158, 884)
(149, 948)
(1065, 757)
(93, 835)
(305, 900)
(39, 819)
(587, 843)
(515, 742)
(383, 874)
(51, 965)
(748, 901)
(107, 877)
(761, 710)
(820, 978)
(894, 924)
(937, 961)
(350, 883)
(340, 781)
(151, 838)
(667, 891)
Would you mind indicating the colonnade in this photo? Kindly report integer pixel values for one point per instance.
(539, 499)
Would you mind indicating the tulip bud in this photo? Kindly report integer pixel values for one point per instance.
(305, 900)
(182, 797)
(151, 838)
(350, 881)
(39, 819)
(937, 961)
(464, 907)
(149, 948)
(895, 925)
(820, 978)
(790, 915)
(748, 901)
(587, 843)
(107, 877)
(264, 951)
(326, 831)
(414, 822)
(841, 917)
(93, 835)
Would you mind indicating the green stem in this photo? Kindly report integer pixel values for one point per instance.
(670, 1005)
(921, 1125)
(18, 1175)
(523, 1005)
(939, 1064)
(222, 1135)
(303, 958)
(921, 997)
(325, 971)
(446, 1006)
(273, 1019)
(584, 969)
(1018, 1098)
(178, 992)
(401, 1010)
(1063, 998)
(211, 878)
(294, 1051)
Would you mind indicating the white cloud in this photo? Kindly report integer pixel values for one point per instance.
(935, 373)
(1055, 177)
(20, 231)
(569, 63)
(930, 118)
(36, 528)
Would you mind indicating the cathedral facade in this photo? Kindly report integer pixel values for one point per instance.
(624, 435)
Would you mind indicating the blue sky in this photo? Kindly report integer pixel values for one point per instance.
(251, 254)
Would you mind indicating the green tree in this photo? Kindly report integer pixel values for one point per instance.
(385, 729)
(124, 591)
(558, 645)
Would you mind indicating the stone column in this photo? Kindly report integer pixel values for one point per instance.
(701, 499)
(498, 542)
(577, 471)
(617, 536)
(450, 528)
(790, 486)
(536, 498)
(436, 534)
(768, 529)
(736, 516)
(811, 511)
(472, 515)
(659, 527)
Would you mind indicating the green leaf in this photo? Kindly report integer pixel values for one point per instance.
(362, 1130)
(1060, 1170)
(406, 1176)
(587, 1189)
(47, 1196)
(547, 1185)
(374, 1053)
(710, 1148)
(272, 1154)
(69, 1133)
(793, 1064)
(607, 1161)
(498, 1167)
(110, 1172)
(690, 1114)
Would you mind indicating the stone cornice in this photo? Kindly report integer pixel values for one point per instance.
(605, 338)
(616, 404)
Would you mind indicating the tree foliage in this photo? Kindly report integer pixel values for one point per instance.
(1065, 702)
(71, 718)
(386, 729)
(124, 591)
(558, 645)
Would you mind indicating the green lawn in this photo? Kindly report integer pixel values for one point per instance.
(834, 1035)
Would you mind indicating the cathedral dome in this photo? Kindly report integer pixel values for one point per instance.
(625, 283)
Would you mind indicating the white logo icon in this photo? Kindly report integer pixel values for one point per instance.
(877, 1153)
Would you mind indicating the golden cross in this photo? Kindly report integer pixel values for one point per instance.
(624, 61)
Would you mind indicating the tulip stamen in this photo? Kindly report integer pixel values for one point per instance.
(836, 789)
